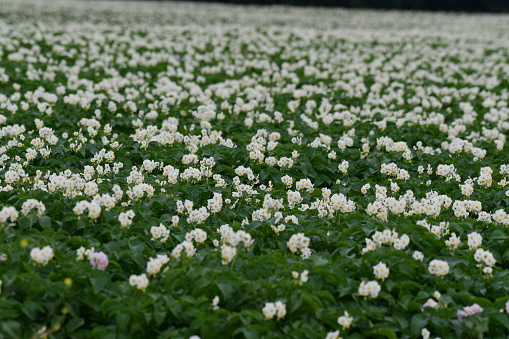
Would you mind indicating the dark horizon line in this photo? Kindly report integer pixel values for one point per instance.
(470, 7)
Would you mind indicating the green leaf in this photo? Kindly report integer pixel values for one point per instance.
(386, 332)
(99, 280)
(123, 319)
(326, 295)
(11, 328)
(319, 260)
(501, 318)
(30, 308)
(74, 324)
(25, 222)
(313, 302)
(226, 286)
(418, 322)
(45, 221)
(250, 333)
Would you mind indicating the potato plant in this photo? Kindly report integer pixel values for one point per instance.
(174, 170)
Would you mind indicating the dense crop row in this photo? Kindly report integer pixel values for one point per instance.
(250, 177)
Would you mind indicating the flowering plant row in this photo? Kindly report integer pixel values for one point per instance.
(249, 177)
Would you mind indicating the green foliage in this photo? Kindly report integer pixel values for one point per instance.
(220, 93)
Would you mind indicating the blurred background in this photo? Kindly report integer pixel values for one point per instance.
(493, 6)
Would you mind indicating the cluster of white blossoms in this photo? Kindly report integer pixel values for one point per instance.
(154, 265)
(232, 238)
(304, 184)
(42, 256)
(300, 277)
(474, 240)
(393, 170)
(198, 216)
(369, 289)
(345, 320)
(140, 190)
(228, 253)
(343, 167)
(93, 208)
(300, 243)
(126, 218)
(139, 281)
(8, 214)
(271, 310)
(501, 217)
(105, 200)
(215, 204)
(294, 198)
(463, 208)
(333, 335)
(438, 267)
(432, 205)
(328, 205)
(485, 178)
(381, 271)
(467, 189)
(33, 204)
(171, 173)
(215, 303)
(454, 242)
(198, 235)
(229, 242)
(484, 257)
(186, 246)
(386, 237)
(159, 233)
(383, 204)
(448, 172)
(82, 251)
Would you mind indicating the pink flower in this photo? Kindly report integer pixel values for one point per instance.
(99, 260)
(460, 314)
(507, 306)
(430, 303)
(473, 309)
(469, 310)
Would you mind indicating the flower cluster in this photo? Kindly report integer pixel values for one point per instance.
(154, 265)
(278, 309)
(9, 213)
(184, 245)
(126, 218)
(300, 243)
(345, 320)
(381, 271)
(98, 260)
(484, 257)
(387, 237)
(159, 233)
(438, 267)
(469, 311)
(93, 208)
(33, 204)
(369, 289)
(300, 277)
(139, 281)
(42, 256)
